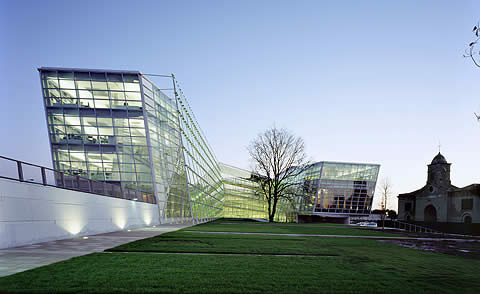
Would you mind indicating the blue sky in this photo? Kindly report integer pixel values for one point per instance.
(360, 81)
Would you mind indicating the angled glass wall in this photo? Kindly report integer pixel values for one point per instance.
(119, 127)
(187, 179)
(97, 128)
(205, 185)
(337, 187)
(243, 198)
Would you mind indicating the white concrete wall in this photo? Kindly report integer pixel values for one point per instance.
(31, 213)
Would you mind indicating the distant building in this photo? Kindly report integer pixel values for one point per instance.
(338, 190)
(439, 203)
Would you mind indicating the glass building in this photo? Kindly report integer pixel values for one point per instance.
(244, 197)
(242, 194)
(338, 188)
(123, 130)
(118, 127)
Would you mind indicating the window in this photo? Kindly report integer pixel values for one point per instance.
(83, 85)
(99, 85)
(115, 86)
(467, 204)
(67, 84)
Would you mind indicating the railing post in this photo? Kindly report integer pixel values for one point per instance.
(90, 188)
(77, 179)
(62, 177)
(44, 176)
(20, 171)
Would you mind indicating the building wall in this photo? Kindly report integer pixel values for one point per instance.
(97, 130)
(339, 187)
(31, 213)
(119, 127)
(438, 201)
(448, 206)
(242, 198)
(455, 211)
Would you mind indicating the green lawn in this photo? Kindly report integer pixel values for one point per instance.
(320, 229)
(342, 265)
(181, 241)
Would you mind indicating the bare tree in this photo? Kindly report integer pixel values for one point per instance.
(386, 191)
(473, 51)
(279, 158)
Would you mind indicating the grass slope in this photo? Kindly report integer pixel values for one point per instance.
(287, 229)
(357, 265)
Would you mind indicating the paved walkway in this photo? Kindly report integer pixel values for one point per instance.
(340, 236)
(17, 259)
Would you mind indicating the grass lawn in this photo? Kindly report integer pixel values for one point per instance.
(343, 265)
(319, 229)
(250, 244)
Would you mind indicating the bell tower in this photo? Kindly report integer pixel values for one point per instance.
(439, 173)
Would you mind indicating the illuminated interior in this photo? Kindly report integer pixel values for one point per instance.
(118, 127)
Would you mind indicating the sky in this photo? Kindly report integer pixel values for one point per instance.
(360, 81)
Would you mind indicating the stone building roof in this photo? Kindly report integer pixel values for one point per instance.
(439, 159)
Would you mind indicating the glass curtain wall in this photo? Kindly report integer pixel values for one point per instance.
(243, 196)
(97, 129)
(205, 185)
(187, 179)
(344, 187)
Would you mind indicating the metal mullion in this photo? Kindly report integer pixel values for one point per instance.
(149, 144)
(202, 166)
(201, 146)
(205, 182)
(182, 151)
(46, 118)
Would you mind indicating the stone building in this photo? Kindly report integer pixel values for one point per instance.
(440, 204)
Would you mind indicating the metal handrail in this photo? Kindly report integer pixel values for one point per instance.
(68, 181)
(414, 228)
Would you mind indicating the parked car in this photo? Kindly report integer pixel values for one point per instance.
(368, 224)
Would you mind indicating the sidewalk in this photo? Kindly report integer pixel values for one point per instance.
(18, 259)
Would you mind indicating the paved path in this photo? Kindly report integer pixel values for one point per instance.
(339, 236)
(17, 259)
(224, 253)
(291, 225)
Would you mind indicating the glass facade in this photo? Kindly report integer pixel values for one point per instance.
(337, 187)
(118, 127)
(97, 128)
(242, 198)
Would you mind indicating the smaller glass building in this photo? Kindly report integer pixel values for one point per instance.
(339, 188)
(242, 197)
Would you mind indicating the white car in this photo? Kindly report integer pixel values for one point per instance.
(368, 224)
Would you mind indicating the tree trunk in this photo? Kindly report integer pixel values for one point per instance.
(274, 209)
(270, 217)
(383, 221)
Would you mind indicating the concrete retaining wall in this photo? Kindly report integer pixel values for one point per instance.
(32, 213)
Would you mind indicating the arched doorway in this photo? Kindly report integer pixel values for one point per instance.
(430, 214)
(467, 219)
